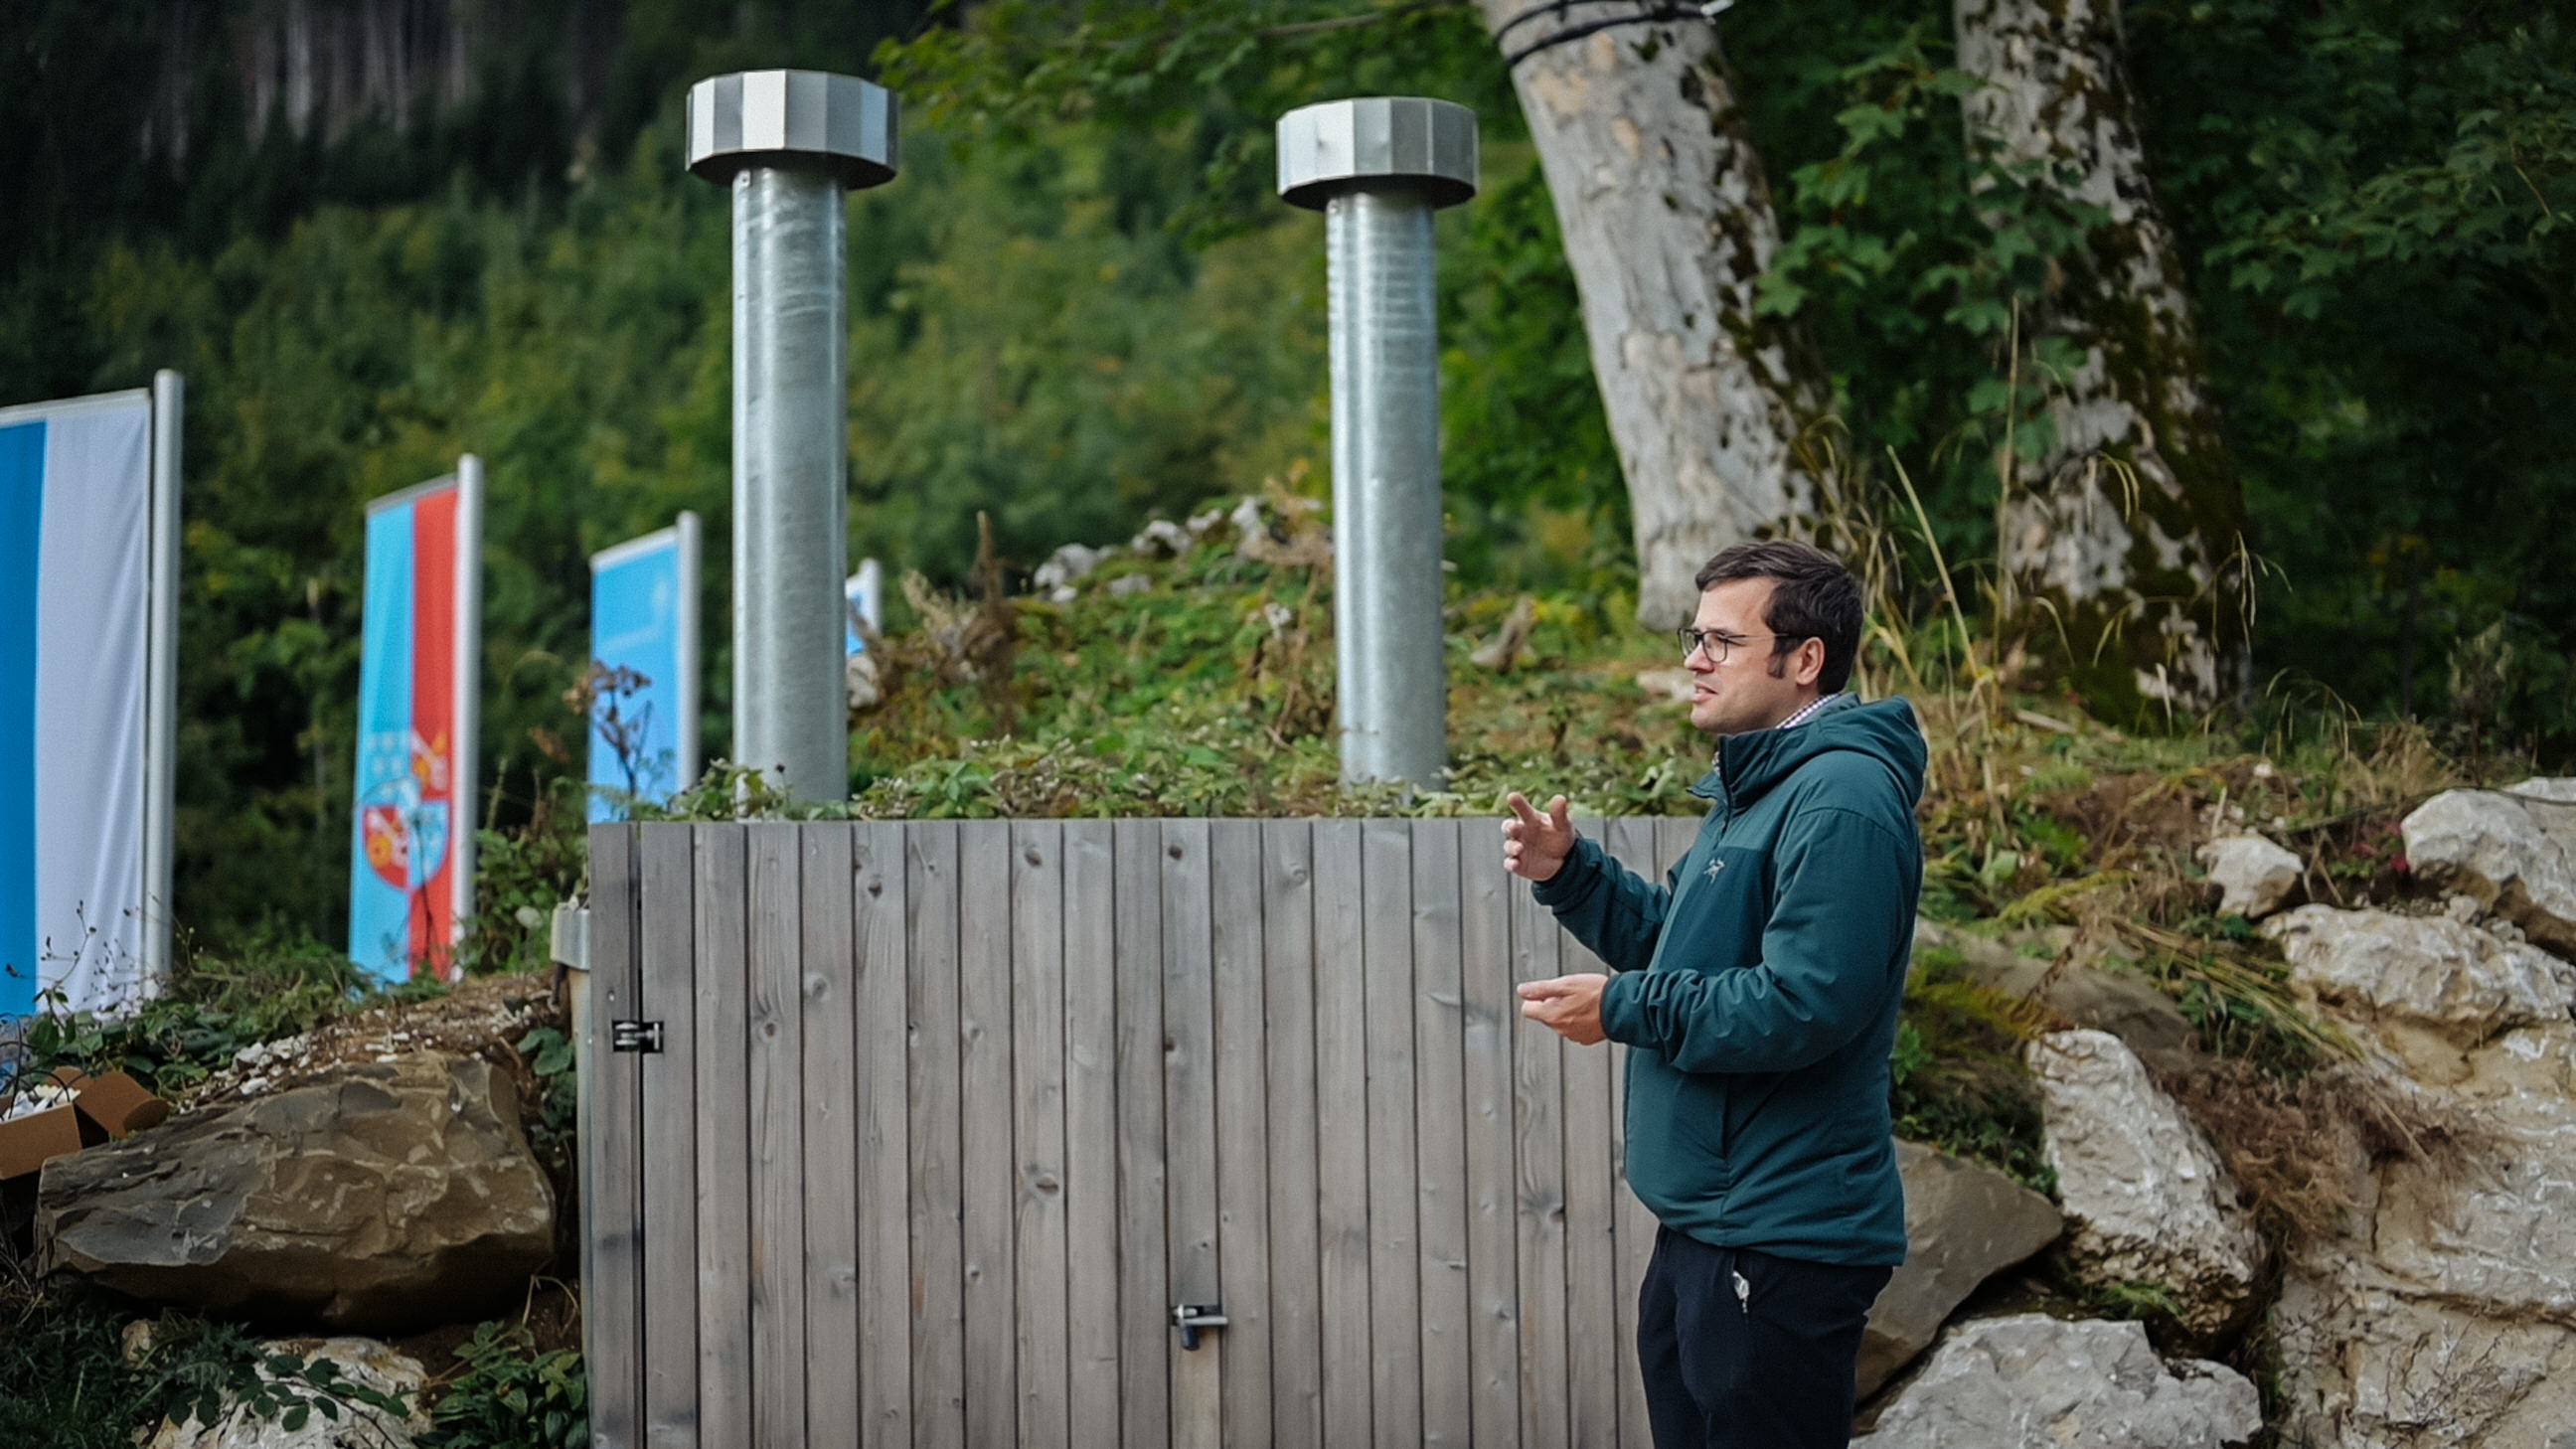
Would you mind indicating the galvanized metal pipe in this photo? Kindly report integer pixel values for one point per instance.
(791, 144)
(1378, 168)
(790, 462)
(1386, 486)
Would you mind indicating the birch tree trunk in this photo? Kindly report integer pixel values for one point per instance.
(2128, 530)
(1667, 222)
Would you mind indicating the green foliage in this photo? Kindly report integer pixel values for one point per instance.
(549, 1054)
(513, 1397)
(521, 875)
(1956, 1077)
(66, 1378)
(216, 1005)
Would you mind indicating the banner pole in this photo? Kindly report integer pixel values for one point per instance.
(469, 671)
(161, 684)
(686, 776)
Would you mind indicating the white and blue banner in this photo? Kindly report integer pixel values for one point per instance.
(644, 654)
(84, 814)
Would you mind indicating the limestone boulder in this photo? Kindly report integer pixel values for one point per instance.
(2035, 1382)
(2513, 850)
(2146, 1199)
(2366, 1364)
(1963, 1224)
(2436, 974)
(351, 1424)
(382, 1196)
(2253, 875)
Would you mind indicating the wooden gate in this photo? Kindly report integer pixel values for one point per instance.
(933, 1124)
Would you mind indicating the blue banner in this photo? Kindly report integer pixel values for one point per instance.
(643, 694)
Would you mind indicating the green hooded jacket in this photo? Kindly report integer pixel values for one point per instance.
(1758, 988)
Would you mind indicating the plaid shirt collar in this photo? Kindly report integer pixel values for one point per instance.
(1717, 757)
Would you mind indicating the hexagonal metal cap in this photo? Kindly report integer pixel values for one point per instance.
(802, 118)
(1377, 141)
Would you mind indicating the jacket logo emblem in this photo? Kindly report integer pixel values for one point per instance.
(1714, 867)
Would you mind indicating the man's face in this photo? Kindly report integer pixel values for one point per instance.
(1744, 693)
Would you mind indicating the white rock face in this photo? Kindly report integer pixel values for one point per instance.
(2462, 982)
(361, 1361)
(2146, 1198)
(2443, 1314)
(2371, 1367)
(2035, 1382)
(2252, 874)
(2514, 850)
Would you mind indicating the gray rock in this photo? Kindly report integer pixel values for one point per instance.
(383, 1196)
(2369, 1366)
(2513, 850)
(2461, 982)
(361, 1361)
(1963, 1224)
(2132, 1009)
(2035, 1382)
(2146, 1199)
(1068, 565)
(2253, 875)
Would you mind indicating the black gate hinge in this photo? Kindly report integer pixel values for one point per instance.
(635, 1036)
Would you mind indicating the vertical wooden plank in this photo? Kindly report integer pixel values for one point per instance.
(1491, 1017)
(1189, 1127)
(1144, 1328)
(1395, 1273)
(1341, 1115)
(1288, 979)
(1636, 844)
(1538, 1108)
(1243, 1138)
(881, 1080)
(670, 1110)
(1037, 1127)
(722, 856)
(984, 1110)
(613, 1303)
(777, 1136)
(829, 1170)
(1591, 1283)
(935, 1138)
(1091, 1130)
(1440, 1135)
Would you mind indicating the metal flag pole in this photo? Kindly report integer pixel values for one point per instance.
(469, 688)
(791, 144)
(1378, 168)
(161, 683)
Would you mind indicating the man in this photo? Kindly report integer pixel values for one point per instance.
(1757, 990)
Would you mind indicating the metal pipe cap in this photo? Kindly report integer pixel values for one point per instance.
(806, 119)
(1377, 142)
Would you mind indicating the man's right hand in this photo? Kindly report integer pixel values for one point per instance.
(1535, 846)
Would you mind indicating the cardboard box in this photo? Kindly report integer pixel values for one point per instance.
(101, 1109)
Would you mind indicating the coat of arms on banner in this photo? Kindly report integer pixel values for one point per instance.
(403, 808)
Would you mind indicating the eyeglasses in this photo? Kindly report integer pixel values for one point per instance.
(1718, 644)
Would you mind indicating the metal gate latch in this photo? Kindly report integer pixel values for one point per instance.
(635, 1036)
(1189, 1318)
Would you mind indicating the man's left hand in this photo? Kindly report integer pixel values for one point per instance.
(1570, 1006)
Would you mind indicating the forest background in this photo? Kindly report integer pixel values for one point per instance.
(1080, 307)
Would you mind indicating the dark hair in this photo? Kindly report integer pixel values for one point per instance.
(1815, 598)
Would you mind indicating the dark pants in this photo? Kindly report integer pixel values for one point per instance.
(1743, 1350)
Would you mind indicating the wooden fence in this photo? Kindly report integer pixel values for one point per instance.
(945, 1118)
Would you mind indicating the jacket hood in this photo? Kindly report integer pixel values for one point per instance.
(1748, 765)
